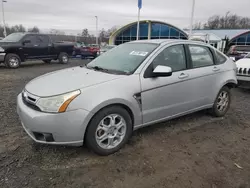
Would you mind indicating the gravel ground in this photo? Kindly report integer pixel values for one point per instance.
(193, 151)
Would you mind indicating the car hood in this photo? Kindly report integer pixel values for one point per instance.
(243, 63)
(67, 80)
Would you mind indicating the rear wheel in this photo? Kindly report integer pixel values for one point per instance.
(12, 61)
(222, 102)
(109, 130)
(47, 61)
(63, 58)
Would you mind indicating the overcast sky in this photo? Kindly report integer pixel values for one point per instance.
(74, 15)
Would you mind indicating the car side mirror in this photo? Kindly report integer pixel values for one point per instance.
(162, 71)
(26, 42)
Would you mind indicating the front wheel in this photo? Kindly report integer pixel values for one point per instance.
(222, 102)
(109, 130)
(12, 61)
(63, 58)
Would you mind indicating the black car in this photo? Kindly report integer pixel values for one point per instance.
(19, 47)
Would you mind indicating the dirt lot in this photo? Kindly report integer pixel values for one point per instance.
(193, 151)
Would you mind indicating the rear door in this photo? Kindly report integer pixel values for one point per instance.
(43, 46)
(204, 74)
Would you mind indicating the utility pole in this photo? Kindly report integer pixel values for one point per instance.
(4, 25)
(96, 30)
(191, 21)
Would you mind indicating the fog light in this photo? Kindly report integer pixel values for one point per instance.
(47, 137)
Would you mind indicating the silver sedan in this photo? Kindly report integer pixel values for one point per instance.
(131, 86)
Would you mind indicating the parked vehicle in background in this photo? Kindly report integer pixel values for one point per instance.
(237, 52)
(243, 71)
(78, 48)
(19, 47)
(106, 48)
(94, 47)
(85, 51)
(136, 84)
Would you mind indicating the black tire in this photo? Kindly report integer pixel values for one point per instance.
(47, 61)
(215, 109)
(63, 58)
(90, 136)
(9, 61)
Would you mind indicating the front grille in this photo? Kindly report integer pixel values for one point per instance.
(30, 104)
(243, 71)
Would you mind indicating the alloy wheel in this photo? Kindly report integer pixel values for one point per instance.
(13, 62)
(111, 131)
(222, 101)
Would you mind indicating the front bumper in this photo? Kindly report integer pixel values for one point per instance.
(2, 57)
(243, 81)
(67, 128)
(243, 78)
(88, 53)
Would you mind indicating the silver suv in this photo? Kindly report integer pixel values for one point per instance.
(131, 86)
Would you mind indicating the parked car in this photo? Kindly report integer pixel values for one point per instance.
(243, 71)
(85, 51)
(106, 48)
(19, 47)
(78, 48)
(136, 84)
(94, 47)
(237, 52)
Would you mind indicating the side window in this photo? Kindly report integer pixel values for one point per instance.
(32, 39)
(43, 39)
(220, 58)
(201, 56)
(173, 56)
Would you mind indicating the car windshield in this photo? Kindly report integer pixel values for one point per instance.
(124, 58)
(14, 37)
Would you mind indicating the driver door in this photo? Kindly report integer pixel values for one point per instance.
(31, 49)
(165, 97)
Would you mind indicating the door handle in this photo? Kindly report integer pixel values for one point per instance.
(183, 75)
(215, 69)
(35, 45)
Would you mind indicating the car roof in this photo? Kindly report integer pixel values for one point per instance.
(168, 41)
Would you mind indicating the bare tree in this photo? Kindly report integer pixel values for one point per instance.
(85, 33)
(34, 30)
(229, 21)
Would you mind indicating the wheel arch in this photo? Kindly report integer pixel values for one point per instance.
(120, 104)
(125, 106)
(230, 84)
(16, 53)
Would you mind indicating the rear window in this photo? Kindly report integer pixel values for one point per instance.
(220, 57)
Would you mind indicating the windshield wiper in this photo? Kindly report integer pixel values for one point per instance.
(97, 68)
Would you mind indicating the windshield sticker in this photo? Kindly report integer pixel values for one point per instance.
(139, 53)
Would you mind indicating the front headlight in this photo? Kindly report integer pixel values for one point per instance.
(1, 49)
(57, 103)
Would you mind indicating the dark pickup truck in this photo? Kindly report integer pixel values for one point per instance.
(19, 47)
